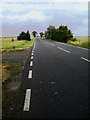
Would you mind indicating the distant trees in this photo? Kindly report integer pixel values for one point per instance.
(34, 33)
(41, 34)
(24, 36)
(62, 34)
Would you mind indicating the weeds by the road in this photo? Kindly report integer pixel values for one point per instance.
(9, 69)
(81, 42)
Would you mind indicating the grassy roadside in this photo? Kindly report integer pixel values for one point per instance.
(13, 56)
(10, 71)
(9, 44)
(80, 41)
(14, 44)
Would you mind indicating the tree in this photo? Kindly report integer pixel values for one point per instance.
(62, 34)
(49, 31)
(34, 33)
(24, 36)
(65, 33)
(41, 34)
(28, 35)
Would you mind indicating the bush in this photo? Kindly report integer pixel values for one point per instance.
(24, 36)
(73, 39)
(12, 40)
(13, 47)
(61, 34)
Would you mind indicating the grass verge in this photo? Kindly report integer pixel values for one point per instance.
(80, 41)
(12, 63)
(14, 44)
(9, 70)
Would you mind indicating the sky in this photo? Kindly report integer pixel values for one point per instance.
(17, 16)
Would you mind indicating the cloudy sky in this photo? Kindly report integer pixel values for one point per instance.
(38, 15)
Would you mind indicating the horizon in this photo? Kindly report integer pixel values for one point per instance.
(36, 36)
(23, 16)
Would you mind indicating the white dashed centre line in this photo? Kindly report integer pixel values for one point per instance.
(30, 74)
(27, 100)
(85, 59)
(63, 49)
(34, 45)
(31, 63)
(32, 54)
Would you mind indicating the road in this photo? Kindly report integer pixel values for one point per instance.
(55, 82)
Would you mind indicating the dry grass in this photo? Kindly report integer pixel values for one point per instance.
(81, 41)
(5, 73)
(8, 70)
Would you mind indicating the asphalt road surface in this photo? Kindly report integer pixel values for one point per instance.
(55, 82)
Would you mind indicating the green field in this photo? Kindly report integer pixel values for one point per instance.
(9, 44)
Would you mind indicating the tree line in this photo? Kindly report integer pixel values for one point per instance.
(61, 34)
(34, 33)
(26, 36)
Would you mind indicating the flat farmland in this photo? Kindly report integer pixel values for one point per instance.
(14, 44)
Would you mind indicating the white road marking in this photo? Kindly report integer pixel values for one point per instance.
(30, 74)
(27, 100)
(31, 63)
(52, 44)
(85, 59)
(34, 46)
(33, 51)
(46, 42)
(31, 57)
(63, 49)
(32, 54)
